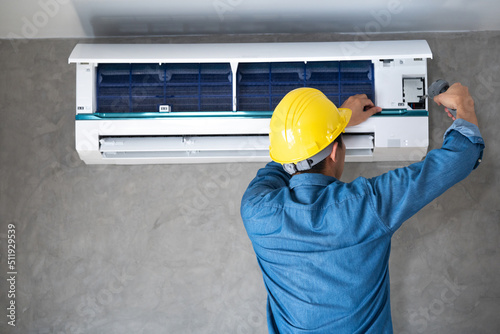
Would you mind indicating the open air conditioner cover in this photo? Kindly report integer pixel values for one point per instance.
(188, 103)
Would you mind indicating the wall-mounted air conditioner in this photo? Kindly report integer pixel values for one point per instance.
(196, 103)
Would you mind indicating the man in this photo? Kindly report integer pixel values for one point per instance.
(323, 245)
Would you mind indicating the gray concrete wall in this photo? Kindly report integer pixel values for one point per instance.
(162, 249)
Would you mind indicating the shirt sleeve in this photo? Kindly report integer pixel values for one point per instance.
(471, 131)
(270, 178)
(399, 194)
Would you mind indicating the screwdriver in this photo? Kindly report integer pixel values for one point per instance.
(438, 87)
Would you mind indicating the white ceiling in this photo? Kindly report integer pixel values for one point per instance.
(99, 18)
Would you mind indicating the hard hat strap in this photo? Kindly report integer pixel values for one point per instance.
(292, 168)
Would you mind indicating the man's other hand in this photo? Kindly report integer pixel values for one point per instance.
(362, 108)
(458, 97)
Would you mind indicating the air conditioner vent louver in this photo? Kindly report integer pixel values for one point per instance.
(223, 148)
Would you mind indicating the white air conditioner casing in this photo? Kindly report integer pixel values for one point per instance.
(133, 100)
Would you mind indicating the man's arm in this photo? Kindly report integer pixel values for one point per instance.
(399, 194)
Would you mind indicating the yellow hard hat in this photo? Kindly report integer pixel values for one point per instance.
(303, 124)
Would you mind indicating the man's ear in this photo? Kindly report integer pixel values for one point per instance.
(333, 155)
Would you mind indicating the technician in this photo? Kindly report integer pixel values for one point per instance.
(323, 245)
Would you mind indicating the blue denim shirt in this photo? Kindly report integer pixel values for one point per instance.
(323, 245)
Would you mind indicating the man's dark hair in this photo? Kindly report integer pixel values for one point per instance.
(320, 166)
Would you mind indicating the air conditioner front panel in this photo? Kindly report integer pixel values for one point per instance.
(248, 52)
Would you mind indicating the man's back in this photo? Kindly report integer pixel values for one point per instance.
(322, 258)
(323, 245)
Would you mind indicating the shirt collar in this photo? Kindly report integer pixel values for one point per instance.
(311, 179)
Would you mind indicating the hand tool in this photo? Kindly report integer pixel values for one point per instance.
(438, 87)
